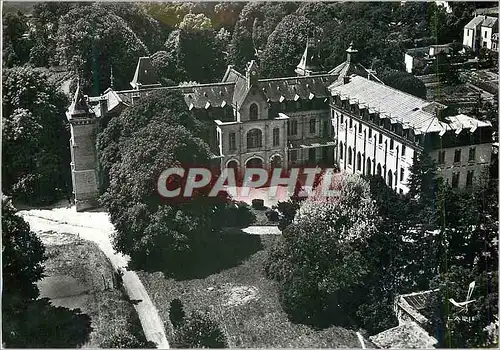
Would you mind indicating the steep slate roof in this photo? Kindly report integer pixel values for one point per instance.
(79, 106)
(309, 63)
(307, 87)
(208, 95)
(240, 84)
(391, 102)
(473, 23)
(144, 73)
(406, 336)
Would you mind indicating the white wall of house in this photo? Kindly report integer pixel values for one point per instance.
(409, 63)
(486, 34)
(469, 38)
(377, 153)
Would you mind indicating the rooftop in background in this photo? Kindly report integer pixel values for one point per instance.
(487, 11)
(485, 21)
(406, 336)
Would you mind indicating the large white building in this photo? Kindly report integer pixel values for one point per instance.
(379, 130)
(481, 31)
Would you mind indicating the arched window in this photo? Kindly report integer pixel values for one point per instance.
(368, 166)
(389, 178)
(341, 150)
(254, 111)
(359, 161)
(349, 156)
(254, 138)
(379, 170)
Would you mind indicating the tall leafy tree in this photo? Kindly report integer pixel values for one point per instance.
(91, 41)
(405, 82)
(16, 44)
(285, 46)
(319, 261)
(34, 137)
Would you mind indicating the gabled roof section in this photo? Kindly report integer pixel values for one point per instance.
(476, 21)
(144, 74)
(208, 96)
(346, 69)
(489, 22)
(240, 85)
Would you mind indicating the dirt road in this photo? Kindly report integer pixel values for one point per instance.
(96, 227)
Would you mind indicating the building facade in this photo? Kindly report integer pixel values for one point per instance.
(345, 116)
(380, 130)
(481, 31)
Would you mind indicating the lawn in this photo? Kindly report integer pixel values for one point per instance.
(244, 302)
(79, 275)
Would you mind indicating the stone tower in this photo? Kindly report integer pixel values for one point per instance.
(83, 124)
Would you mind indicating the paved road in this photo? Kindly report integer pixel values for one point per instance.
(96, 227)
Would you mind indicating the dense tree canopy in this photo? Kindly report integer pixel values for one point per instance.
(405, 82)
(154, 134)
(34, 137)
(319, 261)
(16, 44)
(285, 46)
(91, 40)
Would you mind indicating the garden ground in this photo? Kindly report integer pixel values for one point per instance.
(242, 300)
(78, 275)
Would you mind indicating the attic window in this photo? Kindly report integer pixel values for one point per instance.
(282, 98)
(264, 89)
(307, 86)
(296, 97)
(207, 105)
(279, 88)
(221, 93)
(191, 106)
(205, 94)
(311, 96)
(223, 104)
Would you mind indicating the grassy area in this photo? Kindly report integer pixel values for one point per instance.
(245, 303)
(111, 314)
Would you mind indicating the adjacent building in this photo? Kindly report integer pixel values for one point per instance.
(420, 57)
(481, 31)
(344, 116)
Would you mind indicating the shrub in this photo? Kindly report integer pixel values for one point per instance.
(258, 204)
(272, 215)
(176, 313)
(238, 214)
(200, 331)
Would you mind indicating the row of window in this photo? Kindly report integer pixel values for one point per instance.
(455, 179)
(380, 137)
(289, 106)
(458, 155)
(254, 139)
(293, 127)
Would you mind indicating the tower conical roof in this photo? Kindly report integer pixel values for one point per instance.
(144, 74)
(310, 62)
(79, 105)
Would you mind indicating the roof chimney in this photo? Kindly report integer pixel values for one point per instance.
(351, 53)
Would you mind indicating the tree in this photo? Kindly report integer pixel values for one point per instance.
(200, 331)
(45, 20)
(35, 137)
(91, 41)
(285, 46)
(152, 135)
(405, 82)
(192, 22)
(28, 322)
(464, 327)
(184, 47)
(16, 45)
(318, 261)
